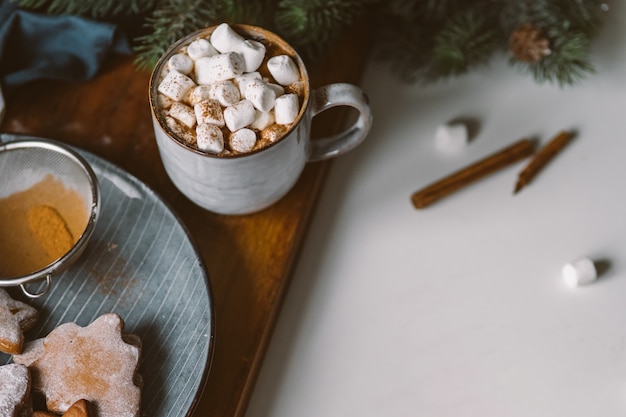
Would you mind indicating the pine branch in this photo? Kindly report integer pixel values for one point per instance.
(311, 25)
(172, 20)
(567, 65)
(560, 16)
(569, 26)
(251, 12)
(431, 10)
(406, 46)
(422, 40)
(95, 9)
(466, 41)
(422, 48)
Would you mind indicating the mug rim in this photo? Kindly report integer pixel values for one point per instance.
(249, 32)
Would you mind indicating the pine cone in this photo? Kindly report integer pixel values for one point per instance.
(528, 43)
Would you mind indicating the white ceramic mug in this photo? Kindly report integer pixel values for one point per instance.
(246, 183)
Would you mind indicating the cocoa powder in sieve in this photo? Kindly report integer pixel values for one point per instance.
(50, 230)
(38, 226)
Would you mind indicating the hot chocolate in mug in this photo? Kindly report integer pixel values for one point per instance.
(224, 180)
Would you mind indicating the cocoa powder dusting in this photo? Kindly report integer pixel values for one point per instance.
(39, 225)
(50, 230)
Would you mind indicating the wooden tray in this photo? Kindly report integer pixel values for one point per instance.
(249, 258)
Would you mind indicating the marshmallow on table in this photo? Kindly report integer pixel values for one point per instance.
(239, 115)
(219, 67)
(209, 138)
(200, 48)
(451, 137)
(582, 271)
(286, 108)
(225, 92)
(183, 114)
(242, 140)
(181, 63)
(260, 95)
(209, 111)
(175, 85)
(283, 69)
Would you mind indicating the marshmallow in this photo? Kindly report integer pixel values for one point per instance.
(260, 95)
(183, 114)
(283, 69)
(451, 137)
(184, 134)
(262, 120)
(218, 67)
(209, 111)
(244, 79)
(239, 115)
(582, 271)
(200, 48)
(225, 92)
(175, 85)
(225, 39)
(297, 88)
(286, 109)
(279, 90)
(243, 140)
(209, 138)
(273, 132)
(199, 93)
(181, 63)
(164, 101)
(253, 53)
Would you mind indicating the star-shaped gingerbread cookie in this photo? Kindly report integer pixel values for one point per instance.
(16, 317)
(14, 391)
(94, 363)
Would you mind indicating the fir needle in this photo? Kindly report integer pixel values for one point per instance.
(471, 173)
(541, 159)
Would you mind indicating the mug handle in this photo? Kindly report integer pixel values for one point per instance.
(340, 94)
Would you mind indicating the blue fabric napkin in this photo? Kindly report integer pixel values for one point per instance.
(35, 46)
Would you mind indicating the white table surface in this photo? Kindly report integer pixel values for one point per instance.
(460, 309)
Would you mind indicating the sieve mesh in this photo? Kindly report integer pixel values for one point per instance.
(23, 167)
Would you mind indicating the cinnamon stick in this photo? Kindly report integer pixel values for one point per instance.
(541, 159)
(471, 173)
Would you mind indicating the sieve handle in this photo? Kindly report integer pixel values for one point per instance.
(39, 293)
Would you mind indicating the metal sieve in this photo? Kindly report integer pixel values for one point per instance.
(25, 161)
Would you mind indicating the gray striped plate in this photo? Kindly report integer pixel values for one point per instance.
(141, 264)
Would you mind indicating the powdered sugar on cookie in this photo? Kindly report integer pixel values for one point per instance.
(16, 317)
(14, 390)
